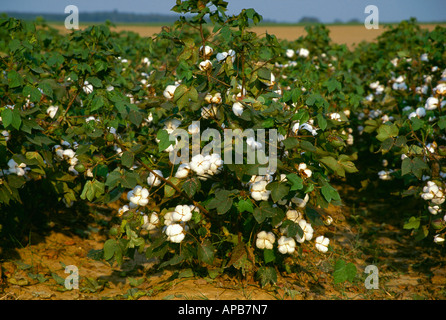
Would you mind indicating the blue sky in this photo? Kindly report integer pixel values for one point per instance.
(279, 10)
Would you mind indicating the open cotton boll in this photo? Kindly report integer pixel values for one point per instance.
(431, 103)
(301, 203)
(259, 192)
(289, 53)
(265, 240)
(205, 65)
(182, 213)
(206, 51)
(175, 233)
(434, 209)
(18, 169)
(88, 88)
(139, 196)
(216, 163)
(253, 144)
(307, 229)
(293, 215)
(51, 111)
(286, 245)
(123, 210)
(182, 171)
(322, 244)
(304, 171)
(150, 223)
(199, 164)
(237, 108)
(171, 125)
(209, 111)
(169, 91)
(302, 52)
(153, 180)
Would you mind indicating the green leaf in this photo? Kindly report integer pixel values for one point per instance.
(191, 186)
(321, 121)
(266, 275)
(413, 223)
(296, 181)
(127, 159)
(205, 252)
(330, 193)
(14, 79)
(97, 103)
(386, 131)
(245, 205)
(278, 190)
(263, 211)
(268, 255)
(332, 85)
(109, 248)
(163, 137)
(344, 272)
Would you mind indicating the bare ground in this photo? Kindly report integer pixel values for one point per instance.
(349, 35)
(365, 231)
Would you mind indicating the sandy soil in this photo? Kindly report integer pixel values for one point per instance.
(341, 34)
(364, 232)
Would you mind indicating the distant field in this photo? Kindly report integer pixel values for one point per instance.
(342, 34)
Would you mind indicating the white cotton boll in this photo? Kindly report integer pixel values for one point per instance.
(304, 171)
(182, 171)
(438, 239)
(170, 91)
(193, 128)
(88, 88)
(253, 144)
(374, 85)
(171, 125)
(206, 51)
(138, 196)
(424, 57)
(385, 175)
(231, 53)
(301, 203)
(5, 134)
(168, 218)
(289, 53)
(322, 244)
(265, 240)
(51, 111)
(293, 215)
(216, 163)
(302, 52)
(199, 164)
(307, 229)
(68, 153)
(221, 56)
(18, 169)
(175, 233)
(150, 223)
(412, 115)
(216, 98)
(182, 213)
(209, 111)
(237, 108)
(434, 209)
(440, 88)
(400, 79)
(328, 220)
(431, 103)
(421, 112)
(286, 245)
(205, 65)
(123, 210)
(153, 180)
(258, 190)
